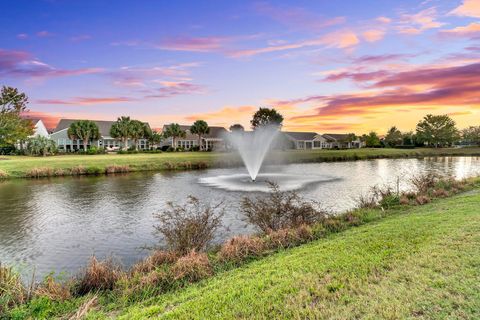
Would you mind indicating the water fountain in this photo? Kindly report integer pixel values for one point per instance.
(253, 146)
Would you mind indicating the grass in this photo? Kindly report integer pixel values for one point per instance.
(415, 262)
(26, 166)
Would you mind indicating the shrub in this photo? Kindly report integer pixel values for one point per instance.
(41, 146)
(404, 200)
(95, 150)
(240, 248)
(12, 291)
(440, 193)
(39, 172)
(192, 267)
(98, 275)
(424, 182)
(422, 199)
(170, 165)
(190, 226)
(279, 210)
(78, 170)
(53, 290)
(283, 238)
(111, 169)
(3, 174)
(155, 260)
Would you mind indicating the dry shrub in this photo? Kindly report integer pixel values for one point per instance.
(186, 165)
(39, 172)
(424, 182)
(366, 201)
(155, 260)
(190, 226)
(111, 169)
(98, 275)
(440, 193)
(3, 174)
(78, 170)
(422, 199)
(192, 267)
(404, 200)
(304, 233)
(155, 279)
(280, 210)
(240, 248)
(283, 238)
(53, 290)
(85, 308)
(201, 165)
(59, 172)
(12, 291)
(384, 196)
(170, 165)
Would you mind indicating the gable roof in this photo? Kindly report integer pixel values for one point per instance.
(215, 132)
(300, 136)
(103, 126)
(335, 136)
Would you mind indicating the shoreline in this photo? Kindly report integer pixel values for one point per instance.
(27, 167)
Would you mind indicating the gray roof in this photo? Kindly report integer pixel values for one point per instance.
(335, 136)
(215, 132)
(301, 136)
(103, 126)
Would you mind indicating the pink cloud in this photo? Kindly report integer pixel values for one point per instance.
(171, 89)
(83, 101)
(384, 20)
(469, 8)
(296, 17)
(21, 64)
(44, 34)
(200, 44)
(81, 37)
(418, 22)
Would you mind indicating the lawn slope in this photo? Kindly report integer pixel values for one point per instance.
(422, 262)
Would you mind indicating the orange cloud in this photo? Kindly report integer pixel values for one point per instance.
(373, 35)
(469, 8)
(471, 30)
(83, 101)
(419, 22)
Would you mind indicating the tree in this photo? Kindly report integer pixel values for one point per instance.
(409, 139)
(437, 130)
(12, 127)
(85, 130)
(394, 137)
(471, 135)
(138, 130)
(121, 130)
(200, 128)
(154, 138)
(266, 117)
(174, 131)
(41, 146)
(236, 128)
(372, 140)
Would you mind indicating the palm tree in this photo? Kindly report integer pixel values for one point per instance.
(41, 146)
(85, 130)
(121, 130)
(174, 131)
(200, 128)
(154, 138)
(138, 130)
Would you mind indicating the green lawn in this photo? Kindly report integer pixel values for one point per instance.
(18, 166)
(423, 262)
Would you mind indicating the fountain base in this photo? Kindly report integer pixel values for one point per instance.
(243, 182)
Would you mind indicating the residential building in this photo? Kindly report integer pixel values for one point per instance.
(65, 144)
(305, 140)
(39, 128)
(214, 140)
(340, 141)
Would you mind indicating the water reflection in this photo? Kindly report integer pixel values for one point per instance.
(57, 224)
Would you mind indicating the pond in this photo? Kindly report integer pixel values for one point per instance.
(57, 224)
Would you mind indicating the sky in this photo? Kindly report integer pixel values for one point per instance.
(327, 66)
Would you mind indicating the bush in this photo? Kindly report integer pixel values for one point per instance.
(422, 199)
(95, 150)
(53, 290)
(155, 260)
(94, 171)
(98, 275)
(111, 169)
(424, 182)
(279, 210)
(190, 226)
(39, 172)
(41, 146)
(195, 148)
(12, 291)
(283, 238)
(192, 267)
(239, 248)
(3, 174)
(78, 170)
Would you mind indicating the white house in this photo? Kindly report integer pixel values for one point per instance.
(215, 139)
(65, 144)
(340, 141)
(39, 128)
(305, 140)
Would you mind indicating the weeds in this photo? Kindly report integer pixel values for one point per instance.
(12, 291)
(98, 275)
(192, 267)
(3, 174)
(78, 170)
(191, 226)
(39, 172)
(112, 169)
(240, 248)
(53, 290)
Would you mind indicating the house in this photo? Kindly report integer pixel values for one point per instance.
(340, 141)
(65, 144)
(215, 139)
(304, 140)
(39, 128)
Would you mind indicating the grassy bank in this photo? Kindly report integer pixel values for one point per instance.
(404, 261)
(24, 166)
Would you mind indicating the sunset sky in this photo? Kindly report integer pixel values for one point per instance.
(328, 66)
